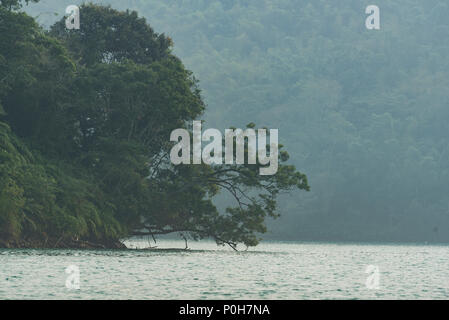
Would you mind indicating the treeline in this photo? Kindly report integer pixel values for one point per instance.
(85, 123)
(363, 112)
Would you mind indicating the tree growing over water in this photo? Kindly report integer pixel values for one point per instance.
(86, 120)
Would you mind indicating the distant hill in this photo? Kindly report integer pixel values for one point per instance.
(363, 112)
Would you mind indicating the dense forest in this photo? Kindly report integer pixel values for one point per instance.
(85, 122)
(363, 112)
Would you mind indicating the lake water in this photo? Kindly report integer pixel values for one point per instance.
(272, 270)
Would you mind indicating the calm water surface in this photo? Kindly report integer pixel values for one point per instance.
(273, 270)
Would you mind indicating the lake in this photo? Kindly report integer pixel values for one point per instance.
(272, 270)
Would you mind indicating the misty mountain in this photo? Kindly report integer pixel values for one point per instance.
(362, 112)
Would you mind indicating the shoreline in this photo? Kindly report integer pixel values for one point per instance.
(60, 244)
(73, 244)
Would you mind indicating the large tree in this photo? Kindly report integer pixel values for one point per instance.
(99, 104)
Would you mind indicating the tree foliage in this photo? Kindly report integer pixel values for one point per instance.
(86, 121)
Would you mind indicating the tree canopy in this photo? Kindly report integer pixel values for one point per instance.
(85, 124)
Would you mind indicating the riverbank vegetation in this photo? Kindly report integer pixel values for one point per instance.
(85, 121)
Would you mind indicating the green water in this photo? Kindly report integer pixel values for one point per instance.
(274, 270)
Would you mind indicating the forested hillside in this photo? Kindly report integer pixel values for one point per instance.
(363, 112)
(85, 123)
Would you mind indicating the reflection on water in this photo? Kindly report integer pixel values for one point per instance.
(273, 270)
